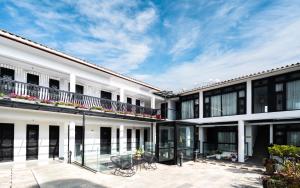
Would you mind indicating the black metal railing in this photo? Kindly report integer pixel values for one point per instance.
(46, 95)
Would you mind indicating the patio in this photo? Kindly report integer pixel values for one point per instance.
(57, 174)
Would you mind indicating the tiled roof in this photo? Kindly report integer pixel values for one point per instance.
(28, 42)
(243, 77)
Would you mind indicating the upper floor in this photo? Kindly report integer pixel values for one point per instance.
(270, 94)
(30, 69)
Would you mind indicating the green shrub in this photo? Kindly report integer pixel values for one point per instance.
(284, 151)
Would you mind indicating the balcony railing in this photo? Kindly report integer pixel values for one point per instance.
(31, 93)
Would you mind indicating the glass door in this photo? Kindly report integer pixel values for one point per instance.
(185, 142)
(32, 144)
(78, 143)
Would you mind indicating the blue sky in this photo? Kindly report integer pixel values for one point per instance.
(171, 44)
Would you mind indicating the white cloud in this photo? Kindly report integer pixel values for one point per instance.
(272, 40)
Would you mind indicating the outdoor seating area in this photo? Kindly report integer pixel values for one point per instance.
(128, 165)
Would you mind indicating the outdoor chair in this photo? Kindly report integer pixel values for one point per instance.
(124, 167)
(150, 161)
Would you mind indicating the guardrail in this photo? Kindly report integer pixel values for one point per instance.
(26, 92)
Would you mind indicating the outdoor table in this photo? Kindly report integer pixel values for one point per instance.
(138, 161)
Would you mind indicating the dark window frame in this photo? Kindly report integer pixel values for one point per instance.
(196, 107)
(271, 82)
(225, 90)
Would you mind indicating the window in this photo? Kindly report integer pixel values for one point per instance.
(229, 104)
(106, 95)
(32, 89)
(225, 101)
(189, 106)
(277, 93)
(293, 95)
(6, 73)
(293, 138)
(260, 99)
(54, 86)
(129, 131)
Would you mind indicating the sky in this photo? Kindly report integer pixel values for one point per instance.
(174, 45)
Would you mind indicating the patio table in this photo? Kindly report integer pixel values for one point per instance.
(138, 162)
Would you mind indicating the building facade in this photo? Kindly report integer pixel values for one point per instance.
(56, 106)
(53, 105)
(243, 115)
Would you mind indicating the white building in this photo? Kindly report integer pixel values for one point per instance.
(53, 105)
(45, 104)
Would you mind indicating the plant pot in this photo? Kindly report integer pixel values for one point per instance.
(46, 104)
(23, 100)
(63, 106)
(233, 159)
(218, 156)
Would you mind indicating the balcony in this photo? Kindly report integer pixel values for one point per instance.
(11, 90)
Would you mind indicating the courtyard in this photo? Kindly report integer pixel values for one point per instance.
(59, 174)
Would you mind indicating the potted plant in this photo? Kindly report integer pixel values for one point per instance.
(96, 108)
(1, 95)
(47, 102)
(269, 164)
(233, 158)
(218, 154)
(139, 152)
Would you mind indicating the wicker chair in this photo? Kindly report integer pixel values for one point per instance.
(150, 161)
(123, 166)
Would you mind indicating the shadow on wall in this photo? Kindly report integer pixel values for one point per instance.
(70, 183)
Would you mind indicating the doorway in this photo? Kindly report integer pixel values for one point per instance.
(78, 143)
(53, 141)
(105, 140)
(32, 142)
(6, 142)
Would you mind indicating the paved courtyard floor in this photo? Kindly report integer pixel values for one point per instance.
(58, 174)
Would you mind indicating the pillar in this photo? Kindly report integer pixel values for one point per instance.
(72, 139)
(122, 95)
(201, 139)
(72, 83)
(153, 102)
(271, 134)
(201, 109)
(123, 141)
(249, 97)
(241, 141)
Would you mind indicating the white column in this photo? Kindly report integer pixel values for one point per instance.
(153, 134)
(122, 95)
(72, 139)
(241, 141)
(201, 104)
(123, 140)
(249, 97)
(271, 134)
(72, 83)
(201, 138)
(43, 141)
(19, 141)
(114, 140)
(153, 102)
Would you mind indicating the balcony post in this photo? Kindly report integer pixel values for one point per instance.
(72, 83)
(201, 139)
(241, 141)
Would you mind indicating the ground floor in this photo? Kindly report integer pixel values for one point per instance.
(243, 141)
(36, 135)
(192, 174)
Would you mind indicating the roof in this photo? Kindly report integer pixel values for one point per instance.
(243, 77)
(44, 48)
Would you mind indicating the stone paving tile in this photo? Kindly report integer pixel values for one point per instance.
(190, 175)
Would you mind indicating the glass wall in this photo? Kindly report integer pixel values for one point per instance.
(166, 143)
(287, 134)
(225, 101)
(185, 142)
(277, 93)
